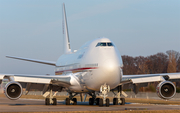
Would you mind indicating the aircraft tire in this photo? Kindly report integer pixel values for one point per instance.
(107, 102)
(54, 101)
(47, 101)
(75, 101)
(91, 101)
(97, 101)
(100, 102)
(115, 101)
(67, 101)
(122, 101)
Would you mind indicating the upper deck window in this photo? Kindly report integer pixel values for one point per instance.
(104, 44)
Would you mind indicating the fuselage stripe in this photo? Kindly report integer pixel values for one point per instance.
(77, 69)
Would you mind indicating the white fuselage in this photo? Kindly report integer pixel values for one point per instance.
(102, 63)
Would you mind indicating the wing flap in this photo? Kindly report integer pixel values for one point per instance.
(1, 77)
(31, 79)
(174, 76)
(147, 79)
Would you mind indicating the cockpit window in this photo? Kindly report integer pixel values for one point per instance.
(101, 44)
(104, 44)
(109, 44)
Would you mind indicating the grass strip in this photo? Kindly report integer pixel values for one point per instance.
(153, 111)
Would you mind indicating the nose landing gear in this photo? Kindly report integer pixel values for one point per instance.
(104, 89)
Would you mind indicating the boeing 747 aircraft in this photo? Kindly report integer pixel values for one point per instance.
(96, 68)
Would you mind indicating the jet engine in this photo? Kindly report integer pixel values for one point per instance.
(13, 90)
(166, 90)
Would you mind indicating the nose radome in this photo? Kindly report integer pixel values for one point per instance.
(111, 72)
(111, 68)
(110, 65)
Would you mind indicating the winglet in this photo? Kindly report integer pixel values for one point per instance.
(67, 48)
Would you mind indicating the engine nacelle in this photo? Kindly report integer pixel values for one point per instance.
(166, 90)
(13, 90)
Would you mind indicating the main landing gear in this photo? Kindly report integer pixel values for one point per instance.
(118, 100)
(51, 100)
(104, 89)
(71, 100)
(97, 101)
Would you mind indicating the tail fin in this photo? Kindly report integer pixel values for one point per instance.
(67, 48)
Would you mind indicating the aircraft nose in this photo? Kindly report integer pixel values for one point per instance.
(111, 71)
(110, 65)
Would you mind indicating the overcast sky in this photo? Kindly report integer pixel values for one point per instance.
(33, 28)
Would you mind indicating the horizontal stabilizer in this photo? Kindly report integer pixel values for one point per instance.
(34, 60)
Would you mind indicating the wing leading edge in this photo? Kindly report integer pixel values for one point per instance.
(34, 60)
(151, 77)
(39, 79)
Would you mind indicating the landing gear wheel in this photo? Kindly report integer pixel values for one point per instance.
(122, 101)
(47, 101)
(54, 101)
(75, 101)
(107, 102)
(100, 102)
(67, 101)
(115, 101)
(97, 101)
(91, 101)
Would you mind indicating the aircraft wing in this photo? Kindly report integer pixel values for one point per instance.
(165, 89)
(34, 60)
(15, 85)
(145, 78)
(62, 80)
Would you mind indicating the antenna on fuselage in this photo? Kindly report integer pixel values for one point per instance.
(67, 48)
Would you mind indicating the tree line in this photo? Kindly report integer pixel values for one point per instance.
(168, 62)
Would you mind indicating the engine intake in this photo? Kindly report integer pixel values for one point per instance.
(13, 90)
(166, 90)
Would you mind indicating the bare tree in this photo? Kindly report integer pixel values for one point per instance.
(129, 65)
(140, 63)
(173, 59)
(178, 65)
(157, 63)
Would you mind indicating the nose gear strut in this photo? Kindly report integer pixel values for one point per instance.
(104, 89)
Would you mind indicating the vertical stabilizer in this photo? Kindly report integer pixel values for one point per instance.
(67, 48)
